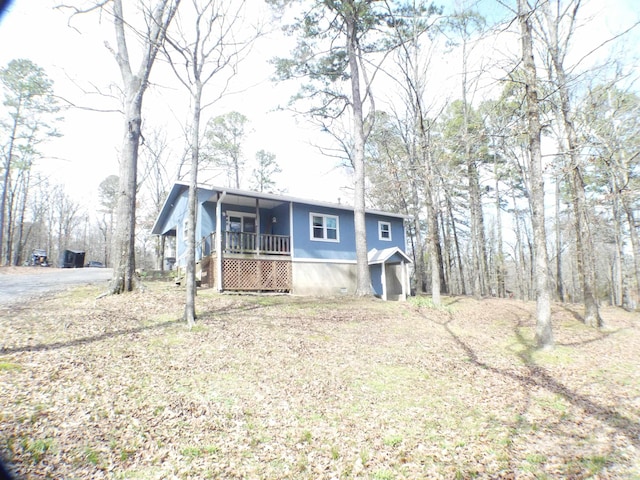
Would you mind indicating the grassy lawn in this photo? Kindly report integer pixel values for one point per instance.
(279, 387)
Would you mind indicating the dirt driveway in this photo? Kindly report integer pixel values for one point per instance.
(19, 283)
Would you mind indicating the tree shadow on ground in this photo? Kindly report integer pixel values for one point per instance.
(43, 347)
(598, 334)
(573, 313)
(537, 376)
(209, 316)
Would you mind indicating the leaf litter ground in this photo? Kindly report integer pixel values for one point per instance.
(268, 387)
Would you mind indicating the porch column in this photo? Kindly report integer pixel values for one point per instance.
(219, 233)
(291, 244)
(403, 275)
(257, 232)
(384, 280)
(407, 279)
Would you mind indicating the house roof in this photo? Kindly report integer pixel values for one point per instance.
(387, 255)
(246, 197)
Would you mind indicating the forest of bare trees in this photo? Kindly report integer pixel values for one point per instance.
(512, 144)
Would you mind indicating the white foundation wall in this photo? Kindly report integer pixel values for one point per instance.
(311, 278)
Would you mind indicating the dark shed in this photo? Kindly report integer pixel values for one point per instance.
(72, 259)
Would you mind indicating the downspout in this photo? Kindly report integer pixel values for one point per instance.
(219, 233)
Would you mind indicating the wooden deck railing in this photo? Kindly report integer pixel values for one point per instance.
(252, 243)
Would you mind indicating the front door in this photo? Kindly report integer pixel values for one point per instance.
(249, 224)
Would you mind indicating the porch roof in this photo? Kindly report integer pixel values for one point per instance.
(387, 255)
(247, 198)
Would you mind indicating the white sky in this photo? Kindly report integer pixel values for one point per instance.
(88, 151)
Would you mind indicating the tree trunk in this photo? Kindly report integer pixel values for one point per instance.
(478, 238)
(456, 243)
(519, 254)
(584, 248)
(17, 257)
(544, 334)
(584, 240)
(418, 246)
(448, 256)
(6, 178)
(190, 303)
(3, 199)
(134, 86)
(500, 264)
(478, 241)
(160, 252)
(418, 250)
(559, 279)
(432, 233)
(10, 223)
(432, 236)
(635, 241)
(616, 271)
(363, 275)
(123, 249)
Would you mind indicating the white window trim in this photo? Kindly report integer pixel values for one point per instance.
(324, 227)
(380, 237)
(233, 213)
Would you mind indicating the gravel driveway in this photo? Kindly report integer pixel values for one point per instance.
(34, 282)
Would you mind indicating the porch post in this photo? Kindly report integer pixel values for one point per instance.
(407, 280)
(291, 245)
(219, 233)
(384, 280)
(257, 232)
(403, 275)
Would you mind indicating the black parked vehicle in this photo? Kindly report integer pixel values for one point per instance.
(39, 258)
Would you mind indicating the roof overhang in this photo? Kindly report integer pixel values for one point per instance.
(165, 211)
(247, 198)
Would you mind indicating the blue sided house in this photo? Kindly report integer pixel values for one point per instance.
(249, 241)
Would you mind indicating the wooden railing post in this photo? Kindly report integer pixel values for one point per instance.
(256, 243)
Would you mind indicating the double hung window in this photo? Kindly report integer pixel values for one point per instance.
(324, 227)
(384, 231)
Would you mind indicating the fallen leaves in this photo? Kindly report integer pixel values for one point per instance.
(293, 387)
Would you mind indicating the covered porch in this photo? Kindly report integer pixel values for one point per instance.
(390, 273)
(248, 247)
(247, 243)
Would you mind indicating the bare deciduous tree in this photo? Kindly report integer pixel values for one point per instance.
(550, 21)
(413, 63)
(217, 41)
(156, 17)
(544, 334)
(30, 106)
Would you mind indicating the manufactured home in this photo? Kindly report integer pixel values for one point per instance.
(250, 241)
